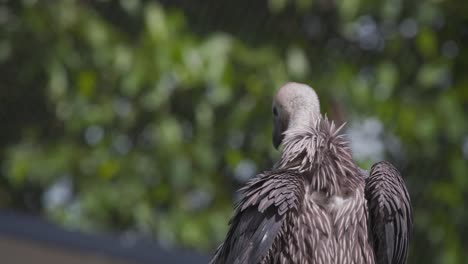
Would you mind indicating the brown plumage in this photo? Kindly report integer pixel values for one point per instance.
(311, 207)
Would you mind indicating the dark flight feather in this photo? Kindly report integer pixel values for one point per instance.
(390, 214)
(259, 217)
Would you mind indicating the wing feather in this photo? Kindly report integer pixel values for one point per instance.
(390, 214)
(259, 217)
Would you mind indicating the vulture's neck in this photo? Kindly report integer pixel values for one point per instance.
(321, 154)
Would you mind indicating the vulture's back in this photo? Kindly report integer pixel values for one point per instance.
(330, 229)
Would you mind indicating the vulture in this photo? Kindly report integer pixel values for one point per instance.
(315, 205)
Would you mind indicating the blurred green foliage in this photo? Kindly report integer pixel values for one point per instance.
(145, 117)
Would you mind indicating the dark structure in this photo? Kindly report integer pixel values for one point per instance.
(30, 239)
(316, 205)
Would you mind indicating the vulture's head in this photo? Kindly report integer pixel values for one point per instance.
(295, 105)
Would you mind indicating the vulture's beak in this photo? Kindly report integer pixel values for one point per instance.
(277, 137)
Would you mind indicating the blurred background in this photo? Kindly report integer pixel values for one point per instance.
(128, 121)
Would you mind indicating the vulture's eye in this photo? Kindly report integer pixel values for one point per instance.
(275, 112)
